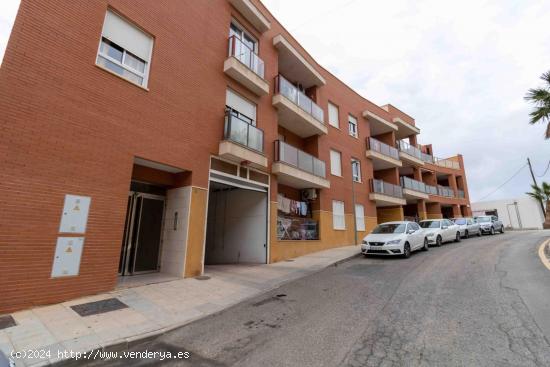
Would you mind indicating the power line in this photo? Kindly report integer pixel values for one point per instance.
(505, 182)
(546, 170)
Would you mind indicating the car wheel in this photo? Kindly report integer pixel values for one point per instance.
(479, 232)
(492, 231)
(457, 238)
(466, 234)
(502, 229)
(406, 250)
(438, 241)
(426, 247)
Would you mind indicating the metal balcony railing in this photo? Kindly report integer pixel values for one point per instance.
(445, 191)
(386, 188)
(382, 148)
(447, 163)
(409, 183)
(427, 158)
(284, 87)
(409, 149)
(461, 194)
(295, 157)
(238, 129)
(247, 56)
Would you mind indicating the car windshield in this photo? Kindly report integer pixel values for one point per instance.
(390, 228)
(460, 221)
(430, 224)
(483, 219)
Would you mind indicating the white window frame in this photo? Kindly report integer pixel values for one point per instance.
(243, 33)
(335, 153)
(355, 123)
(360, 217)
(337, 216)
(144, 75)
(336, 123)
(356, 162)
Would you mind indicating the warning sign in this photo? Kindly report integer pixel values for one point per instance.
(75, 214)
(67, 256)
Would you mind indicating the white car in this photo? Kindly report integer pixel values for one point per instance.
(468, 227)
(394, 238)
(438, 231)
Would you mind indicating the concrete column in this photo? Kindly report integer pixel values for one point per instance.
(456, 211)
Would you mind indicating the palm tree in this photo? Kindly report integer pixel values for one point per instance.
(540, 97)
(542, 194)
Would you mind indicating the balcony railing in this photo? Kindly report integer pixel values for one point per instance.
(382, 148)
(382, 187)
(288, 90)
(447, 163)
(247, 56)
(445, 191)
(295, 157)
(409, 183)
(432, 190)
(461, 194)
(409, 149)
(239, 130)
(427, 158)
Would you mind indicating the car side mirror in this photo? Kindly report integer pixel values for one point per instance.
(411, 231)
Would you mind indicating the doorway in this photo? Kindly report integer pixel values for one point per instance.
(236, 225)
(142, 239)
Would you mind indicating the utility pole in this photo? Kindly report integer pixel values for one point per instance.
(354, 210)
(535, 182)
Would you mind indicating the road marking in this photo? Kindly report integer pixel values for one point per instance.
(542, 255)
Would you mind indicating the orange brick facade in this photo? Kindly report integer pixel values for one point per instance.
(69, 127)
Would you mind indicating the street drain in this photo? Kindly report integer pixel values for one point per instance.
(202, 277)
(98, 307)
(281, 295)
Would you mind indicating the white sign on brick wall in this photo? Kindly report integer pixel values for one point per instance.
(75, 214)
(67, 256)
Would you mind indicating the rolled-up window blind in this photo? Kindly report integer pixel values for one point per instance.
(118, 30)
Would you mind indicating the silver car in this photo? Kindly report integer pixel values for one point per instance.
(468, 227)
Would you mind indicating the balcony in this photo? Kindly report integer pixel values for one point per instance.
(461, 194)
(445, 191)
(431, 190)
(447, 163)
(427, 158)
(386, 194)
(383, 156)
(410, 155)
(413, 189)
(377, 124)
(297, 112)
(295, 66)
(242, 142)
(404, 128)
(252, 14)
(246, 67)
(298, 169)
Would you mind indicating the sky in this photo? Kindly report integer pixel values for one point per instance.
(460, 68)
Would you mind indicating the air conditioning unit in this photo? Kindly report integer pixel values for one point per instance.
(309, 194)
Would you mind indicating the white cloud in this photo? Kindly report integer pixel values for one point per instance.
(460, 68)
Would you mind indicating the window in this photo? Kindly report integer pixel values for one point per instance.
(333, 115)
(125, 49)
(356, 170)
(338, 216)
(335, 163)
(360, 217)
(245, 109)
(250, 42)
(414, 226)
(352, 121)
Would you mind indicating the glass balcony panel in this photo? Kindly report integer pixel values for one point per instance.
(246, 55)
(240, 131)
(299, 98)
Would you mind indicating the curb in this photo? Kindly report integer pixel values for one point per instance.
(129, 342)
(545, 261)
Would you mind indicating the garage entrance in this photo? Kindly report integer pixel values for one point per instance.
(236, 231)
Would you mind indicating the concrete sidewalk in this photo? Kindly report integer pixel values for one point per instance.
(152, 309)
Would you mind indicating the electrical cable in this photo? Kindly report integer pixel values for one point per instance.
(505, 182)
(546, 170)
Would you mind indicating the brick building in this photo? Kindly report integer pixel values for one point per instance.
(141, 137)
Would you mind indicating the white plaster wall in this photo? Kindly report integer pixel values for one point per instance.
(175, 237)
(237, 227)
(529, 209)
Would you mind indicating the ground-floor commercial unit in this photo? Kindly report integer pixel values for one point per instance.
(151, 142)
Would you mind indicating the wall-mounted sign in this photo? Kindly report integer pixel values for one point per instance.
(68, 252)
(75, 214)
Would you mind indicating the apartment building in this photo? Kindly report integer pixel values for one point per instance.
(141, 138)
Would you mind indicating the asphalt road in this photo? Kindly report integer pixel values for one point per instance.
(481, 302)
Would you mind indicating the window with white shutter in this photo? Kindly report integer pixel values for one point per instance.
(360, 217)
(333, 115)
(335, 163)
(338, 216)
(352, 123)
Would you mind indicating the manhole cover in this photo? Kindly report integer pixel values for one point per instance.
(202, 277)
(98, 307)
